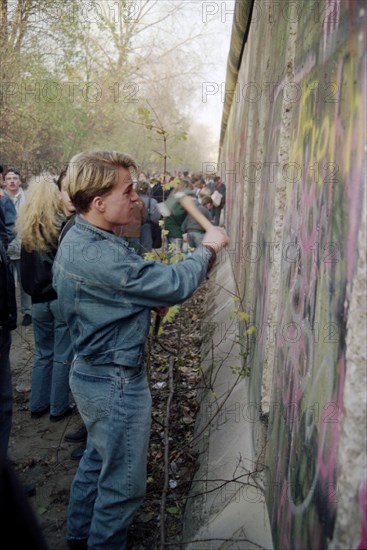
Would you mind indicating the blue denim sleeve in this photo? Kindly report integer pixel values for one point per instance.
(89, 260)
(153, 284)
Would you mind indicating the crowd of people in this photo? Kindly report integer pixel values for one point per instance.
(183, 232)
(74, 243)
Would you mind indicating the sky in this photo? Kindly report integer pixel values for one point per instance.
(205, 28)
(214, 18)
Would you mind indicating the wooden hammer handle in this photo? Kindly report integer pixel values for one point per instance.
(188, 203)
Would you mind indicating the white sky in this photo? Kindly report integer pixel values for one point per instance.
(204, 27)
(215, 18)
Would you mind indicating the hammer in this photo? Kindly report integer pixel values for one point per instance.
(187, 202)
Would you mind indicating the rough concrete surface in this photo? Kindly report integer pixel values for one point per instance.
(229, 510)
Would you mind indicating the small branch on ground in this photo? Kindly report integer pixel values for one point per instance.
(166, 453)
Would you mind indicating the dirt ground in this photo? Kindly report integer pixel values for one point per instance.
(42, 457)
(37, 447)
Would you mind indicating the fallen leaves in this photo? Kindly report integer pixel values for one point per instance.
(183, 336)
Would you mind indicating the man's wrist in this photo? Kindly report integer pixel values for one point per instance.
(213, 256)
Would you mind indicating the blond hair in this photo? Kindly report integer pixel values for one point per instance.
(39, 218)
(205, 192)
(94, 174)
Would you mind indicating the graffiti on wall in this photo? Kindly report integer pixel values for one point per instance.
(324, 171)
(320, 235)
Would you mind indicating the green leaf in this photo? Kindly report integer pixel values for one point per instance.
(143, 112)
(171, 313)
(243, 316)
(173, 510)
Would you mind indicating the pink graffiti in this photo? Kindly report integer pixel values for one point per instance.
(354, 184)
(284, 518)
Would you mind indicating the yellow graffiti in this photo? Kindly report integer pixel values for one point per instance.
(324, 142)
(314, 141)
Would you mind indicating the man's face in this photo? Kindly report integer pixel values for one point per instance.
(12, 183)
(119, 203)
(67, 205)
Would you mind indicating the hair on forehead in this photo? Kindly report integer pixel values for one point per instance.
(94, 173)
(13, 171)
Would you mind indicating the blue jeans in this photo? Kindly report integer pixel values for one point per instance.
(109, 486)
(52, 360)
(6, 392)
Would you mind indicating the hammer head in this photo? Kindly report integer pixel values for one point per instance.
(165, 208)
(187, 201)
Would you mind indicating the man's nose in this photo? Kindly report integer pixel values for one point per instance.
(134, 196)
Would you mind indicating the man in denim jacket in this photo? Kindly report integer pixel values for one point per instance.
(106, 294)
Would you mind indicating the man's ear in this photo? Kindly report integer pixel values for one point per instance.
(98, 204)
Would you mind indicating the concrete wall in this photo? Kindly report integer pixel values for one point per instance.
(293, 159)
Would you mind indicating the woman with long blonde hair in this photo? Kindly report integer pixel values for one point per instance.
(39, 223)
(41, 215)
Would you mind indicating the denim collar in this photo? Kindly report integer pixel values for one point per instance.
(103, 233)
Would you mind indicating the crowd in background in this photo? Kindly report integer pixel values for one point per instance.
(183, 232)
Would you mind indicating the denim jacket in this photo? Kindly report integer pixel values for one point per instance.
(106, 292)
